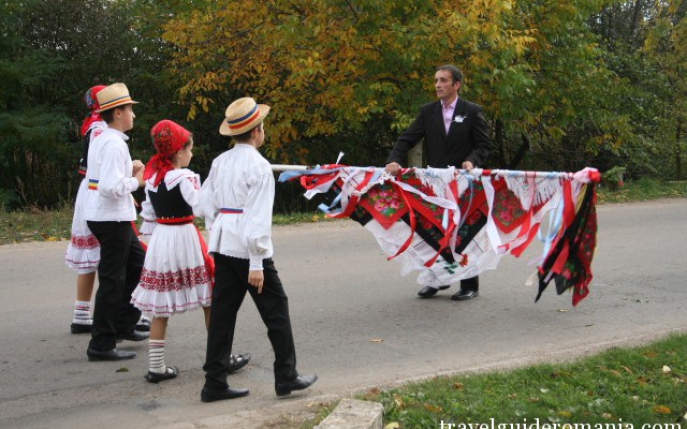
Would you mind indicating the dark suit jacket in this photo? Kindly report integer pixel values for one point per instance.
(466, 141)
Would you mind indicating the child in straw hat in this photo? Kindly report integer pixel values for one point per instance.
(237, 200)
(109, 211)
(83, 251)
(178, 273)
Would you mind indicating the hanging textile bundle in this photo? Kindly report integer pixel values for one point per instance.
(450, 224)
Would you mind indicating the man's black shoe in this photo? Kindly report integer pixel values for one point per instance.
(78, 328)
(464, 295)
(143, 324)
(211, 395)
(428, 291)
(134, 336)
(301, 382)
(237, 362)
(114, 354)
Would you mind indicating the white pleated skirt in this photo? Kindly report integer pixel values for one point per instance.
(83, 251)
(174, 278)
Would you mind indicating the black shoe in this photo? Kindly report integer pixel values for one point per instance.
(134, 336)
(212, 395)
(428, 291)
(464, 295)
(237, 362)
(156, 377)
(143, 324)
(114, 354)
(301, 382)
(78, 328)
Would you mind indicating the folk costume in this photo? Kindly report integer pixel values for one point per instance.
(83, 251)
(237, 200)
(177, 274)
(238, 196)
(109, 211)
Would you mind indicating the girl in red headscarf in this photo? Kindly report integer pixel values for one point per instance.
(177, 273)
(83, 252)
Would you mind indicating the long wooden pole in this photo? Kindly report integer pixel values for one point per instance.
(511, 173)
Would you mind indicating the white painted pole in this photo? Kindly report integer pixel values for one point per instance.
(286, 167)
(482, 172)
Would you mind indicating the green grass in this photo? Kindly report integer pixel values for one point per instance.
(642, 190)
(37, 225)
(622, 385)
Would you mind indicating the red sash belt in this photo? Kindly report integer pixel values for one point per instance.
(176, 220)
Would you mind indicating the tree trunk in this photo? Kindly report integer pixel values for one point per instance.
(498, 139)
(635, 22)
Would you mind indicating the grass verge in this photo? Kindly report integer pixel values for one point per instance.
(55, 225)
(37, 225)
(643, 190)
(619, 388)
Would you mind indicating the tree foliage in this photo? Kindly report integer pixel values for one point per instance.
(586, 82)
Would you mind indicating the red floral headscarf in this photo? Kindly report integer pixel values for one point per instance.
(168, 138)
(92, 103)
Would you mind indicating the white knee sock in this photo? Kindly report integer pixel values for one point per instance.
(82, 313)
(156, 356)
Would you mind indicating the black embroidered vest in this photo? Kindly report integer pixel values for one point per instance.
(169, 204)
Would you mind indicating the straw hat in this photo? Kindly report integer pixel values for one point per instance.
(243, 115)
(113, 96)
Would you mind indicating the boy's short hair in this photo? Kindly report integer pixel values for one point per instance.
(108, 115)
(244, 137)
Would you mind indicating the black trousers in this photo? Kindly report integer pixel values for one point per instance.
(470, 284)
(231, 284)
(121, 263)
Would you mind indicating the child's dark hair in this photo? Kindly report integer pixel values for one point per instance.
(108, 115)
(244, 137)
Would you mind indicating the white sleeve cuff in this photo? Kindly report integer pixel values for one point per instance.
(255, 263)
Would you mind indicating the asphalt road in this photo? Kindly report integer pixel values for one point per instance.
(356, 321)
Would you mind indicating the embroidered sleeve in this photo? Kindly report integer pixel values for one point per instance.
(190, 190)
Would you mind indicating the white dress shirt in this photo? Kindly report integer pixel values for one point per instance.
(240, 179)
(110, 170)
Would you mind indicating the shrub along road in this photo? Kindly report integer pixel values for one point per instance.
(356, 322)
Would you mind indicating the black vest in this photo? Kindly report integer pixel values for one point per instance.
(169, 204)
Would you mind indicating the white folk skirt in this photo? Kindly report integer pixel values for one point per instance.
(83, 251)
(175, 277)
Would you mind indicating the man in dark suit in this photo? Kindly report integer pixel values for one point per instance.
(455, 134)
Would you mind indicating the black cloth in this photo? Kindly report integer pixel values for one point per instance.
(231, 284)
(119, 271)
(470, 284)
(466, 141)
(169, 204)
(83, 162)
